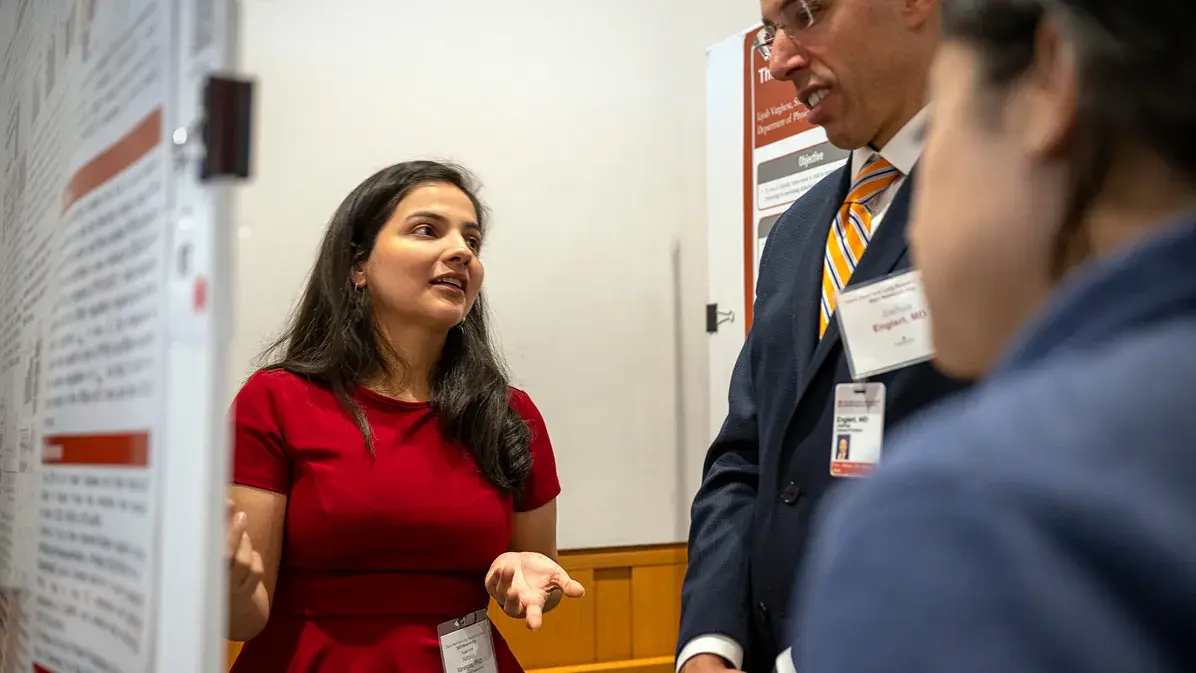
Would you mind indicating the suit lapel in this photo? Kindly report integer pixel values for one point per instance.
(881, 257)
(808, 295)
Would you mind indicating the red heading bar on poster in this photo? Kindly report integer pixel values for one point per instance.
(112, 450)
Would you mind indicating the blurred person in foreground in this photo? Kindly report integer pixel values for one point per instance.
(387, 478)
(859, 67)
(1045, 521)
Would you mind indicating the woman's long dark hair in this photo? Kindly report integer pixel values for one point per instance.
(333, 339)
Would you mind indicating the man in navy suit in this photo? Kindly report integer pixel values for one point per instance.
(860, 66)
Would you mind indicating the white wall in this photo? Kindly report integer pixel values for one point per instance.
(585, 120)
(724, 218)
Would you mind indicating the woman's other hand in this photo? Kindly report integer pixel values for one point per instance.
(524, 584)
(245, 568)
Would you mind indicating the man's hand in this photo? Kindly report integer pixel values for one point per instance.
(707, 663)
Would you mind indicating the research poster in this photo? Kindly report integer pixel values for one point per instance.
(88, 100)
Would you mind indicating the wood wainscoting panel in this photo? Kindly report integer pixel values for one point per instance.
(655, 609)
(634, 595)
(566, 637)
(612, 602)
(234, 648)
(653, 665)
(626, 623)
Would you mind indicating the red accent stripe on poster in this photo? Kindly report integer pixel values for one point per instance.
(111, 450)
(111, 162)
(749, 193)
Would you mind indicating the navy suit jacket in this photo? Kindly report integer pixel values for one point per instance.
(769, 467)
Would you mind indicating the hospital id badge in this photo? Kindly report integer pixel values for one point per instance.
(885, 325)
(466, 645)
(859, 429)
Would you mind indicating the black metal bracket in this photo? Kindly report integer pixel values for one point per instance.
(714, 318)
(227, 128)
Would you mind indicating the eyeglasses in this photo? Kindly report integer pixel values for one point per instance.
(797, 16)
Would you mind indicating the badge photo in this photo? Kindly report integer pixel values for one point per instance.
(859, 429)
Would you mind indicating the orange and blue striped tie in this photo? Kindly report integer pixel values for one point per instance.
(851, 232)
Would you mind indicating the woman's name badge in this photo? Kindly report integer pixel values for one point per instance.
(859, 429)
(466, 645)
(885, 325)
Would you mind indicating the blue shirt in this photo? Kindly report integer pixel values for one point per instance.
(1045, 521)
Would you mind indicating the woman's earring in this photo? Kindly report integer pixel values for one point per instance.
(359, 302)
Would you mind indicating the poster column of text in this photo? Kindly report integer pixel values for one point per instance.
(83, 258)
(32, 90)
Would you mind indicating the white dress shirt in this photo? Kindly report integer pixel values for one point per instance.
(903, 151)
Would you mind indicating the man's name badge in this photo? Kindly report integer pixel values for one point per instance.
(859, 429)
(885, 325)
(466, 645)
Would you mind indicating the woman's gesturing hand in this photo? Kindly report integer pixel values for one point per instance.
(523, 583)
(245, 567)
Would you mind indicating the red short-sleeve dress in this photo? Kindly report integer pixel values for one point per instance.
(378, 550)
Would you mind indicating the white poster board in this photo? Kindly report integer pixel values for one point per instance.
(111, 343)
(762, 155)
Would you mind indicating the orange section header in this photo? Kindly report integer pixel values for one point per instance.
(117, 450)
(108, 164)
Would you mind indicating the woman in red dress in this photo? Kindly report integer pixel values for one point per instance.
(387, 478)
